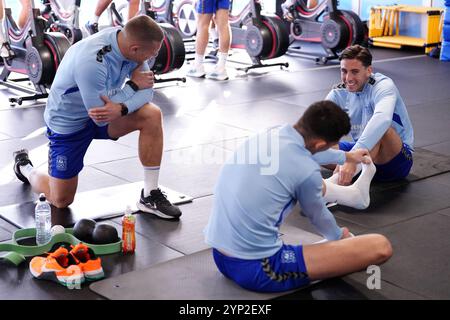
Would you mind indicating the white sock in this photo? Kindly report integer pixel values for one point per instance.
(26, 170)
(94, 19)
(222, 60)
(357, 195)
(364, 180)
(151, 176)
(199, 58)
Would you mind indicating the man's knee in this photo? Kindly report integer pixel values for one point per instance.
(150, 114)
(389, 135)
(382, 249)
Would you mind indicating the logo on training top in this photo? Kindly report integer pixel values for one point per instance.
(61, 163)
(288, 256)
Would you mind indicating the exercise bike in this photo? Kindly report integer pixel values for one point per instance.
(262, 36)
(179, 13)
(172, 53)
(37, 54)
(64, 18)
(334, 29)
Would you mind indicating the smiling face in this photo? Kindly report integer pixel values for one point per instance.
(354, 74)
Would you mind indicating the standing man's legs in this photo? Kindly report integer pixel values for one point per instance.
(201, 42)
(223, 26)
(92, 25)
(24, 13)
(133, 8)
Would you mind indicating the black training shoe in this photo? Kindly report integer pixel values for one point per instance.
(21, 159)
(158, 204)
(91, 27)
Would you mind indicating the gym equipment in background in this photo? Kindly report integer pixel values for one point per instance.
(262, 36)
(37, 54)
(172, 53)
(385, 27)
(64, 18)
(333, 28)
(179, 13)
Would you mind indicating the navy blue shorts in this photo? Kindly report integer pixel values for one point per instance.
(211, 6)
(66, 151)
(285, 270)
(396, 169)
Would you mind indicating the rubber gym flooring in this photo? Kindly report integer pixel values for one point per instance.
(211, 118)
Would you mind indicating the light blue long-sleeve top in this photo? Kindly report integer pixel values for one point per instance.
(249, 206)
(372, 112)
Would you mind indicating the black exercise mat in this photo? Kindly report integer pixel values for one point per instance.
(192, 277)
(97, 204)
(199, 279)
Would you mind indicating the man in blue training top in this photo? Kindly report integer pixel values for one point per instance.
(250, 204)
(379, 119)
(89, 99)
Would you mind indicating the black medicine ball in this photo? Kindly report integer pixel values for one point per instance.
(83, 230)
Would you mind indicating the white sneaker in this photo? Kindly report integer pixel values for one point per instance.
(197, 71)
(218, 74)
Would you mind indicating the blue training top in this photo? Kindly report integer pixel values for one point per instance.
(249, 205)
(91, 68)
(372, 112)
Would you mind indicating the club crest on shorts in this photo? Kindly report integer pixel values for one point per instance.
(61, 163)
(288, 256)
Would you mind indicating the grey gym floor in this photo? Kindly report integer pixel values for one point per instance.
(211, 118)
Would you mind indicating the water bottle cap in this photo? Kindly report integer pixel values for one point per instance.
(42, 197)
(128, 211)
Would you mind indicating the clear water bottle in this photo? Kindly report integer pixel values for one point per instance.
(43, 217)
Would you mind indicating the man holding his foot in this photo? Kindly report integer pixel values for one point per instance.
(251, 203)
(379, 120)
(90, 100)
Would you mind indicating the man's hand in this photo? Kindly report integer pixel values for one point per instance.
(109, 112)
(346, 173)
(143, 79)
(358, 156)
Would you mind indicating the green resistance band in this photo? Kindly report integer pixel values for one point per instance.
(16, 253)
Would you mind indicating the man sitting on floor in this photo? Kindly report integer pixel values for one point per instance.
(378, 116)
(89, 99)
(250, 205)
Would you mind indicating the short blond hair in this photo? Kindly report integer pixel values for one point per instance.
(143, 29)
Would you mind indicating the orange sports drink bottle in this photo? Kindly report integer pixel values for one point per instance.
(128, 232)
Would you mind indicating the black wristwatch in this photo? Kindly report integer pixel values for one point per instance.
(124, 110)
(133, 85)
